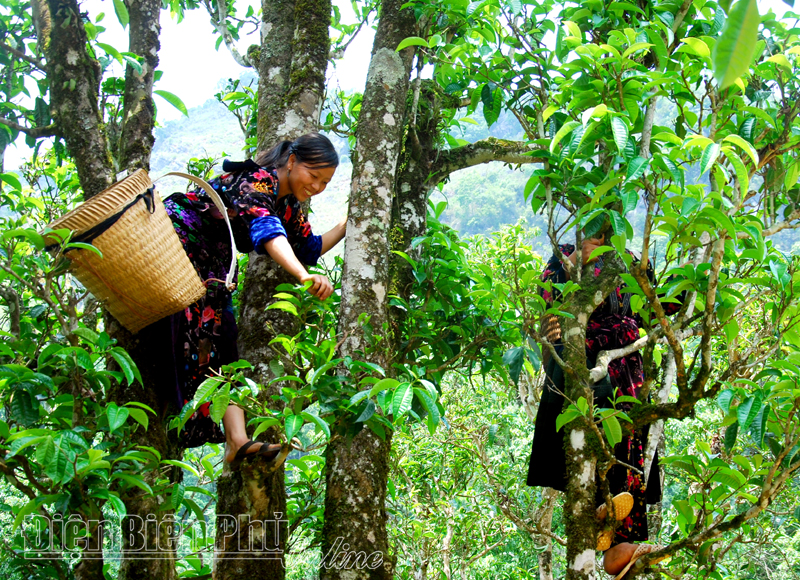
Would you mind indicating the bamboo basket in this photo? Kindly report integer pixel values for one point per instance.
(144, 273)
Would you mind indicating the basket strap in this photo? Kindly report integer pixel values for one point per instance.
(222, 209)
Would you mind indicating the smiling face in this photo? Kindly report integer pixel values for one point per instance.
(306, 181)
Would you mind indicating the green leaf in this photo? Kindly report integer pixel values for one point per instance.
(178, 491)
(263, 425)
(203, 392)
(734, 50)
(116, 416)
(618, 223)
(293, 424)
(46, 451)
(513, 359)
(620, 130)
(118, 504)
(111, 51)
(742, 176)
(125, 362)
(22, 410)
(383, 385)
(183, 465)
(122, 13)
(219, 403)
(612, 429)
(173, 100)
(635, 47)
(563, 132)
(401, 402)
(792, 174)
(748, 410)
(12, 180)
(411, 41)
(730, 436)
(708, 157)
(86, 334)
(368, 412)
(724, 400)
(319, 422)
(285, 306)
(731, 331)
(630, 199)
(698, 46)
(493, 433)
(133, 480)
(140, 417)
(33, 237)
(759, 426)
(567, 416)
(636, 168)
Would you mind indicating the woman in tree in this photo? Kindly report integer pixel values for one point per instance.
(612, 325)
(263, 198)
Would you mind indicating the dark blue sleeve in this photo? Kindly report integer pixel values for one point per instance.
(263, 229)
(308, 249)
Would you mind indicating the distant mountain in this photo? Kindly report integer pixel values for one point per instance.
(480, 199)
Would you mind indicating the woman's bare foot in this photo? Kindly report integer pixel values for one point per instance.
(617, 558)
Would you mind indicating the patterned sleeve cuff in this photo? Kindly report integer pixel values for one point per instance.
(309, 252)
(263, 229)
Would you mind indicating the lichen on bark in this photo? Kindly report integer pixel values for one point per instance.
(356, 472)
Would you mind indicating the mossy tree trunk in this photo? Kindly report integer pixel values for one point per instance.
(139, 536)
(139, 114)
(294, 58)
(74, 78)
(356, 471)
(586, 450)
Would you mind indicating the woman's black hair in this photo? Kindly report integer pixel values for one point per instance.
(313, 149)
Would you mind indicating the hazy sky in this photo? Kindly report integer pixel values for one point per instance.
(192, 68)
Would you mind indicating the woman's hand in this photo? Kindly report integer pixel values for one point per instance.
(321, 287)
(589, 246)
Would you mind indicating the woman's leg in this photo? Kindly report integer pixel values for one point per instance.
(236, 434)
(617, 558)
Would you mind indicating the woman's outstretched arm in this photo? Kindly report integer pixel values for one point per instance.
(280, 250)
(333, 236)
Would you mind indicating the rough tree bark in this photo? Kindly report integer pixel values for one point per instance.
(295, 45)
(137, 536)
(74, 77)
(136, 141)
(356, 471)
(584, 446)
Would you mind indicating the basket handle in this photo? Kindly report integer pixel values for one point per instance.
(222, 209)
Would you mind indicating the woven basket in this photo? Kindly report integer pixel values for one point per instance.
(551, 328)
(144, 273)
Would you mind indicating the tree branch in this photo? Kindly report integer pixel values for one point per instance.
(12, 300)
(218, 19)
(776, 227)
(35, 132)
(483, 151)
(38, 64)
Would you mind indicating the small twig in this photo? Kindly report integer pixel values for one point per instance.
(19, 54)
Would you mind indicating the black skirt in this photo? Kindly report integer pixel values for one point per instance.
(547, 466)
